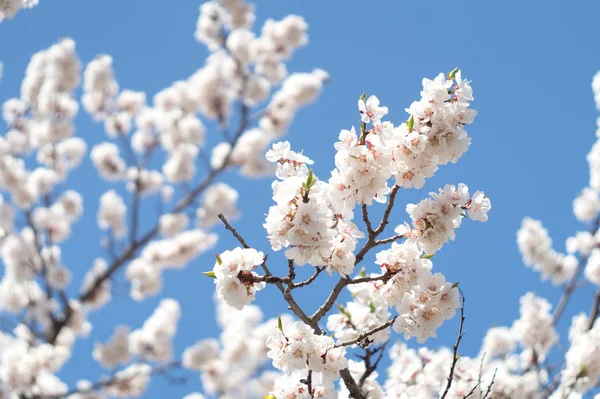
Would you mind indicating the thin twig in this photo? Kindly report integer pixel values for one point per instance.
(294, 307)
(455, 346)
(365, 217)
(388, 240)
(131, 250)
(595, 310)
(489, 390)
(367, 334)
(312, 278)
(359, 280)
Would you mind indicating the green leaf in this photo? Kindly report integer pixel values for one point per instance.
(219, 260)
(210, 274)
(455, 285)
(453, 73)
(427, 256)
(363, 97)
(372, 307)
(410, 123)
(362, 272)
(279, 323)
(310, 180)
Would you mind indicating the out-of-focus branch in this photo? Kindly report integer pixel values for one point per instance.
(389, 240)
(130, 252)
(570, 287)
(595, 310)
(104, 383)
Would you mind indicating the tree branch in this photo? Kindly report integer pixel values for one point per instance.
(131, 250)
(367, 334)
(570, 287)
(595, 310)
(455, 346)
(312, 278)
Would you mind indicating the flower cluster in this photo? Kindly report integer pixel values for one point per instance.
(231, 365)
(535, 330)
(435, 220)
(153, 341)
(433, 135)
(295, 348)
(536, 248)
(582, 370)
(234, 276)
(174, 252)
(9, 8)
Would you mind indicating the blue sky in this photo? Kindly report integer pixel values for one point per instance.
(531, 68)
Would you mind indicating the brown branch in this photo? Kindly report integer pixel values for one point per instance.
(287, 295)
(455, 346)
(233, 231)
(371, 367)
(312, 278)
(365, 217)
(367, 334)
(353, 388)
(388, 210)
(382, 277)
(370, 244)
(335, 293)
(246, 277)
(389, 240)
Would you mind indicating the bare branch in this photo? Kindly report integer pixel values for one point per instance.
(388, 240)
(382, 277)
(365, 217)
(489, 390)
(131, 250)
(371, 367)
(455, 346)
(312, 278)
(233, 231)
(287, 295)
(353, 388)
(595, 310)
(388, 210)
(367, 334)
